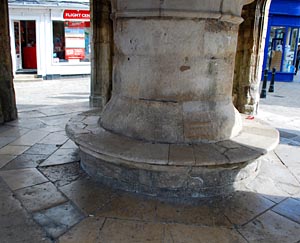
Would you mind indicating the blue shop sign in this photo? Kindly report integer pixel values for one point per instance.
(282, 41)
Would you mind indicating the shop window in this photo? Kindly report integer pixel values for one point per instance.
(71, 41)
(282, 48)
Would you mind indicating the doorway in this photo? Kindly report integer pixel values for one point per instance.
(25, 46)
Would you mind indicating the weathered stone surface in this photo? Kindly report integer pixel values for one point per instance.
(59, 219)
(88, 195)
(194, 234)
(17, 179)
(131, 231)
(290, 209)
(129, 207)
(4, 159)
(6, 140)
(30, 138)
(176, 8)
(41, 149)
(289, 155)
(15, 223)
(181, 154)
(187, 65)
(39, 197)
(54, 138)
(13, 150)
(172, 80)
(62, 175)
(155, 169)
(244, 206)
(25, 161)
(86, 231)
(9, 131)
(62, 156)
(271, 227)
(202, 214)
(176, 82)
(144, 119)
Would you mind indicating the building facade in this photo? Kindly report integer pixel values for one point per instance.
(50, 38)
(282, 39)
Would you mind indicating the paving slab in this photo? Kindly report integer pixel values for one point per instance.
(6, 140)
(39, 197)
(243, 207)
(290, 155)
(55, 139)
(86, 231)
(202, 214)
(13, 132)
(88, 195)
(284, 180)
(25, 161)
(16, 225)
(4, 159)
(17, 179)
(269, 188)
(271, 227)
(41, 149)
(30, 138)
(4, 128)
(124, 231)
(130, 207)
(69, 144)
(57, 220)
(62, 156)
(8, 203)
(290, 209)
(62, 175)
(274, 180)
(31, 114)
(13, 150)
(178, 233)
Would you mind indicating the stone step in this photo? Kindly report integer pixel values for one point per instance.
(27, 78)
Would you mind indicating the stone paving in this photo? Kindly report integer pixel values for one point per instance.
(46, 197)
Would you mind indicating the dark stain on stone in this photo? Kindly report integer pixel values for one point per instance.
(184, 68)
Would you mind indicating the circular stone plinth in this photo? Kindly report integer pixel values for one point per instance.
(170, 170)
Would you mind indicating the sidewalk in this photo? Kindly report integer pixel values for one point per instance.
(46, 197)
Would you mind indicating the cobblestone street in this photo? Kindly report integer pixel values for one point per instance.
(46, 197)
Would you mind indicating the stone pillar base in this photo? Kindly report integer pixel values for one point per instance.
(170, 170)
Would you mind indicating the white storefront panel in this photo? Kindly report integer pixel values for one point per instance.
(50, 26)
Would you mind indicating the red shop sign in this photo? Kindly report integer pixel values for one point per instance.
(74, 53)
(76, 14)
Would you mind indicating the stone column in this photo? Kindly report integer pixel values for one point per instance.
(8, 110)
(173, 70)
(170, 128)
(101, 73)
(250, 56)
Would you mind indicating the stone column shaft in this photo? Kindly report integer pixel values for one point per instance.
(8, 110)
(101, 73)
(173, 70)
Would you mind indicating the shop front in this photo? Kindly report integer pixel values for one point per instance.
(283, 39)
(50, 40)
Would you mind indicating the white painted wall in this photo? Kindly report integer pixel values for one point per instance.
(44, 40)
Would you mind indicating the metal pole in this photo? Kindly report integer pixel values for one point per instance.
(271, 88)
(263, 93)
